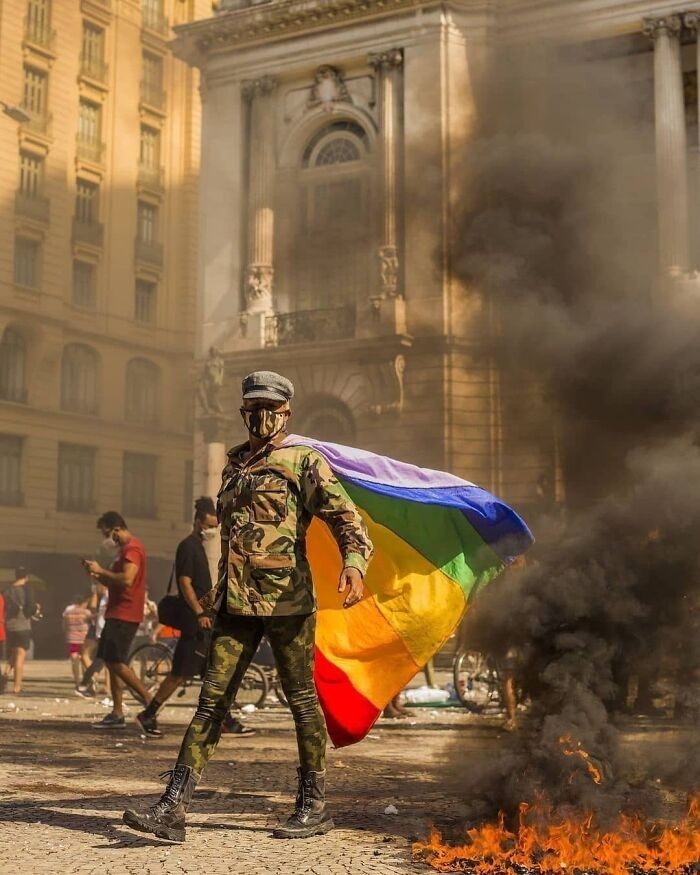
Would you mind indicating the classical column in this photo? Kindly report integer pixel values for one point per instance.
(671, 144)
(261, 219)
(387, 66)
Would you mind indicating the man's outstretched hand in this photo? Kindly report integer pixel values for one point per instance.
(351, 580)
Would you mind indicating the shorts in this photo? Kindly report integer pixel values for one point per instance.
(189, 658)
(115, 640)
(72, 649)
(19, 639)
(2, 651)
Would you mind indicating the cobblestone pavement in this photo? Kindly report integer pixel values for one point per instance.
(65, 784)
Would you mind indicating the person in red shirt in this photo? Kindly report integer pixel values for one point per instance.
(126, 587)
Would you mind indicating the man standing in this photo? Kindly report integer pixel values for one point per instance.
(193, 582)
(126, 587)
(268, 497)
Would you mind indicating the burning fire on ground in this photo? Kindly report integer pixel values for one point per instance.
(544, 843)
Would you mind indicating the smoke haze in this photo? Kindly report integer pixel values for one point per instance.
(558, 241)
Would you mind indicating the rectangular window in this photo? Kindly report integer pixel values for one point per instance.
(188, 493)
(145, 302)
(38, 19)
(27, 255)
(84, 284)
(34, 98)
(90, 122)
(31, 173)
(93, 50)
(149, 154)
(10, 469)
(76, 478)
(147, 222)
(139, 485)
(152, 81)
(86, 201)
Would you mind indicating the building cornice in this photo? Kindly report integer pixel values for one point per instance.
(280, 19)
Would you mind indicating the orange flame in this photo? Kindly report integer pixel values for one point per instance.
(544, 844)
(593, 771)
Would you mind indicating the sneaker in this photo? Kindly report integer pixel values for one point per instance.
(110, 721)
(234, 726)
(84, 692)
(149, 725)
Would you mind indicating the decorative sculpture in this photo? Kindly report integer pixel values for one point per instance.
(210, 382)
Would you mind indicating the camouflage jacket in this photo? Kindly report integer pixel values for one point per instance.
(265, 506)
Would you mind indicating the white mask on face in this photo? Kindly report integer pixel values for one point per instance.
(210, 534)
(109, 547)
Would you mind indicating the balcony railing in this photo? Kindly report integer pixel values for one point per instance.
(87, 232)
(95, 68)
(309, 326)
(155, 20)
(90, 149)
(151, 177)
(40, 123)
(32, 206)
(149, 252)
(39, 32)
(153, 95)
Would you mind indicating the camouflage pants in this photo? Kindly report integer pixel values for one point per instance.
(234, 642)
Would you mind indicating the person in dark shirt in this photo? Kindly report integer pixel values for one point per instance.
(193, 582)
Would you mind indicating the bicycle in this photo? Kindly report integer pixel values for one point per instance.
(153, 662)
(477, 681)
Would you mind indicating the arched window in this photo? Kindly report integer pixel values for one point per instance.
(79, 371)
(13, 352)
(333, 253)
(326, 419)
(142, 389)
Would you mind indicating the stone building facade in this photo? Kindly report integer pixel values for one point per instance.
(331, 172)
(98, 263)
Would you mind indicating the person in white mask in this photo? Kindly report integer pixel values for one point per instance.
(193, 581)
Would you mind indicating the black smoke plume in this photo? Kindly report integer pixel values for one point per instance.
(557, 242)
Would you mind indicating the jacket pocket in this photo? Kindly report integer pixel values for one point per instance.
(269, 501)
(271, 561)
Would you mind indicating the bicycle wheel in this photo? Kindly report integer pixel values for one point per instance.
(151, 663)
(476, 683)
(253, 688)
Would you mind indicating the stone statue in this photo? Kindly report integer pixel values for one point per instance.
(210, 382)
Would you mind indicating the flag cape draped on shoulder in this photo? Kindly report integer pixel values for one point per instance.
(437, 539)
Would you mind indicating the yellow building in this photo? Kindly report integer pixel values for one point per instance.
(98, 263)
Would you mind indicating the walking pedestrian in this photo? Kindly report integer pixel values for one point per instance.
(76, 625)
(126, 587)
(20, 608)
(3, 677)
(268, 498)
(193, 582)
(98, 603)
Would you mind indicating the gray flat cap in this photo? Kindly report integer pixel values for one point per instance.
(269, 385)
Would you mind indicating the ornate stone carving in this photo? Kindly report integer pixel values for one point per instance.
(670, 25)
(390, 59)
(258, 287)
(251, 88)
(396, 369)
(328, 89)
(389, 270)
(210, 381)
(692, 20)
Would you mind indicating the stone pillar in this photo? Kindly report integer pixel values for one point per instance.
(671, 143)
(387, 66)
(216, 430)
(259, 271)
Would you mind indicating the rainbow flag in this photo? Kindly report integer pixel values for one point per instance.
(437, 540)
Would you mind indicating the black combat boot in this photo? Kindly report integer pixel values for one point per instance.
(310, 816)
(166, 819)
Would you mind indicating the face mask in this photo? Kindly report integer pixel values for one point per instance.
(109, 547)
(209, 534)
(263, 423)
